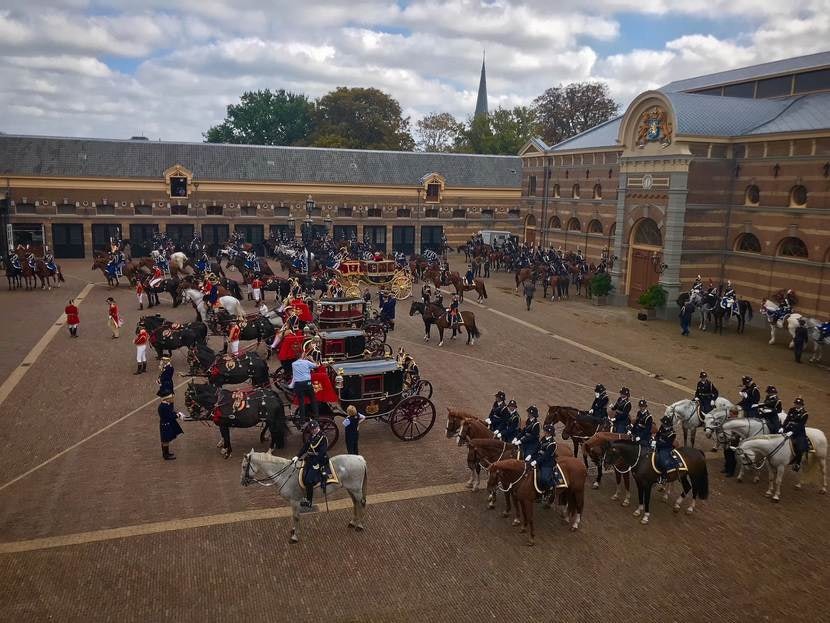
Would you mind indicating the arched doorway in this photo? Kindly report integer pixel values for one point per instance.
(645, 249)
(530, 229)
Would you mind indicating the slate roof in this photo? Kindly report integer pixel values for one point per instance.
(82, 157)
(810, 112)
(602, 135)
(788, 65)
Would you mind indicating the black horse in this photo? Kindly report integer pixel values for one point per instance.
(222, 369)
(280, 285)
(171, 336)
(242, 408)
(254, 327)
(166, 286)
(719, 315)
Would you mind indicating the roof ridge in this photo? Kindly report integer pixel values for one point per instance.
(596, 127)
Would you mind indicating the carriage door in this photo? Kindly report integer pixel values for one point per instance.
(431, 238)
(101, 234)
(141, 239)
(375, 236)
(181, 235)
(403, 239)
(345, 233)
(215, 236)
(255, 234)
(68, 240)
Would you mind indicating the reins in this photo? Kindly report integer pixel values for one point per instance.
(266, 482)
(512, 484)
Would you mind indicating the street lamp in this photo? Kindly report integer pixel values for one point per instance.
(291, 229)
(307, 235)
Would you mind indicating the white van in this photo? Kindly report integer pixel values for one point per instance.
(494, 238)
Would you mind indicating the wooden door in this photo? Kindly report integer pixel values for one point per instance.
(642, 274)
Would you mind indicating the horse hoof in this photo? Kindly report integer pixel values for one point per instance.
(822, 490)
(469, 485)
(644, 521)
(676, 508)
(615, 497)
(440, 343)
(516, 522)
(690, 510)
(775, 498)
(574, 528)
(293, 539)
(595, 485)
(768, 494)
(491, 506)
(358, 528)
(798, 486)
(637, 512)
(739, 479)
(530, 543)
(626, 503)
(351, 526)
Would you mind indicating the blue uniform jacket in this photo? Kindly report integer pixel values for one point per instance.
(753, 397)
(510, 426)
(796, 422)
(664, 444)
(622, 412)
(498, 413)
(599, 408)
(545, 461)
(529, 438)
(315, 452)
(165, 381)
(642, 428)
(169, 427)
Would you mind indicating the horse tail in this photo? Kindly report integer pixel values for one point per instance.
(473, 330)
(748, 310)
(60, 275)
(700, 478)
(484, 290)
(365, 484)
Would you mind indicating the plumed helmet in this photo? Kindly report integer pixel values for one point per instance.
(746, 380)
(703, 374)
(533, 411)
(599, 388)
(314, 425)
(500, 395)
(512, 404)
(799, 401)
(307, 330)
(666, 419)
(643, 402)
(625, 391)
(771, 390)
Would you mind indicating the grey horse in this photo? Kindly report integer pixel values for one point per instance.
(268, 470)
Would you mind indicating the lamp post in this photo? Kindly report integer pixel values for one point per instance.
(307, 235)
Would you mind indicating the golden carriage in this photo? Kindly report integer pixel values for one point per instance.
(385, 274)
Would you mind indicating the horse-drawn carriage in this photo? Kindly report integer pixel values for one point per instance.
(350, 344)
(350, 313)
(385, 274)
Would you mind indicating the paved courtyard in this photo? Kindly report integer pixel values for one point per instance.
(94, 526)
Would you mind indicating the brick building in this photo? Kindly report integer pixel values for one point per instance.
(74, 193)
(725, 175)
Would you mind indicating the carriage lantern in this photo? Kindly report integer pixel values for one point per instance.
(656, 261)
(338, 380)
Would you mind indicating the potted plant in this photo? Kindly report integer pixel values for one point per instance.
(651, 299)
(600, 288)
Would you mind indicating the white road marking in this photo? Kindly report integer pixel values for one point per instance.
(83, 441)
(20, 371)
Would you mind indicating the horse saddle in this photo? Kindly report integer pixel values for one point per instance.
(679, 463)
(558, 477)
(332, 475)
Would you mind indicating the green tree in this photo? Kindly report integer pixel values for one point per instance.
(438, 132)
(565, 111)
(503, 131)
(265, 118)
(359, 118)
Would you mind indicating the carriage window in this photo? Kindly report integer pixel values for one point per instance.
(372, 385)
(335, 347)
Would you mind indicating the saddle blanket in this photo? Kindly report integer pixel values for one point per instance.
(562, 482)
(681, 463)
(331, 480)
(810, 448)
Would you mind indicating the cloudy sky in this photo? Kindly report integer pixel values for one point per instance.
(168, 69)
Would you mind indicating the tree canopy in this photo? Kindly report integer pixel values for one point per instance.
(565, 111)
(265, 118)
(438, 132)
(502, 131)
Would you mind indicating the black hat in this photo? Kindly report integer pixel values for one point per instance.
(624, 390)
(799, 401)
(746, 380)
(512, 403)
(643, 402)
(500, 394)
(703, 374)
(533, 411)
(599, 388)
(666, 419)
(771, 389)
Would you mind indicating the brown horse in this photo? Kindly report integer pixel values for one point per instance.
(435, 314)
(461, 287)
(46, 275)
(100, 263)
(596, 447)
(433, 275)
(133, 267)
(579, 426)
(629, 456)
(523, 275)
(517, 479)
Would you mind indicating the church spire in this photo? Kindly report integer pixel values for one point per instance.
(481, 100)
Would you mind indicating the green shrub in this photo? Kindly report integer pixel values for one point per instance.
(654, 297)
(601, 285)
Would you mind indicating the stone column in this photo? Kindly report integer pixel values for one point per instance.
(673, 239)
(618, 296)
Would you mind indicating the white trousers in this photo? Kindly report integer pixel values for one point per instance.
(234, 347)
(257, 294)
(141, 353)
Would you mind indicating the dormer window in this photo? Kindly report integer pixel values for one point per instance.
(433, 185)
(434, 192)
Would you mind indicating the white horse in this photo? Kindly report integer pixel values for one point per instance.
(789, 322)
(688, 412)
(177, 261)
(268, 470)
(776, 452)
(816, 338)
(231, 304)
(737, 428)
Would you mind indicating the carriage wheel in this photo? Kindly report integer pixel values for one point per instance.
(328, 426)
(412, 418)
(401, 285)
(375, 333)
(424, 388)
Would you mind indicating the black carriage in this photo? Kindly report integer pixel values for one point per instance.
(348, 313)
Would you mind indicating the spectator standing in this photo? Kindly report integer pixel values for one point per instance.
(529, 290)
(72, 318)
(800, 339)
(351, 425)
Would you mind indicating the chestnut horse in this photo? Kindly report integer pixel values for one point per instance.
(435, 314)
(461, 287)
(579, 426)
(100, 263)
(596, 447)
(516, 478)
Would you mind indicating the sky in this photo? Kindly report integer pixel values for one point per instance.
(168, 70)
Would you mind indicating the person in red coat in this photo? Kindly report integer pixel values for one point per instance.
(233, 338)
(72, 318)
(256, 288)
(139, 292)
(140, 341)
(113, 319)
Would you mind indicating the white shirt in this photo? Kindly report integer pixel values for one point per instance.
(348, 420)
(301, 371)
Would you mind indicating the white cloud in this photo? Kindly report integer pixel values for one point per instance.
(118, 68)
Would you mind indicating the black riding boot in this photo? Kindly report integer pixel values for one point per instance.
(137, 369)
(306, 504)
(797, 461)
(166, 454)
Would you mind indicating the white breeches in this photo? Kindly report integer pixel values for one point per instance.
(141, 353)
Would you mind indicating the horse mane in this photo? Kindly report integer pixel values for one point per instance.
(464, 415)
(267, 457)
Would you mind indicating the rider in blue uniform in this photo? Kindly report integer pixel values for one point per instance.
(14, 262)
(599, 408)
(663, 444)
(528, 437)
(697, 286)
(730, 298)
(498, 413)
(510, 423)
(795, 427)
(622, 412)
(453, 314)
(642, 425)
(49, 259)
(750, 397)
(706, 392)
(770, 409)
(316, 466)
(545, 460)
(468, 278)
(203, 263)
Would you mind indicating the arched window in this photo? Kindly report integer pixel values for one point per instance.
(556, 191)
(530, 221)
(647, 232)
(574, 225)
(595, 227)
(597, 191)
(792, 247)
(575, 191)
(554, 223)
(752, 196)
(798, 196)
(748, 243)
(612, 231)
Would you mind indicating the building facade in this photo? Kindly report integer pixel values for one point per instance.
(726, 176)
(74, 194)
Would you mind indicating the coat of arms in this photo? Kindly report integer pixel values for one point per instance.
(240, 401)
(372, 408)
(654, 127)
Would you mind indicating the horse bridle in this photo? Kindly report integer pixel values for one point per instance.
(630, 467)
(265, 482)
(758, 467)
(512, 484)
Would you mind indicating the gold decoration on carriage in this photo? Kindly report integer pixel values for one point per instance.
(229, 361)
(372, 408)
(240, 401)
